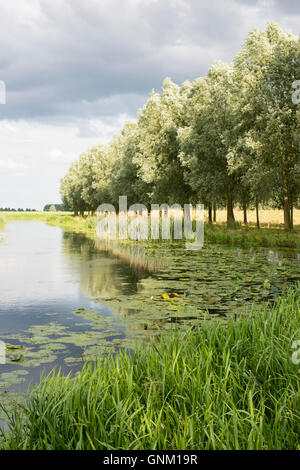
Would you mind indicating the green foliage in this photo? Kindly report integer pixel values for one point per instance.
(206, 141)
(267, 120)
(230, 137)
(58, 207)
(221, 386)
(158, 151)
(124, 178)
(8, 209)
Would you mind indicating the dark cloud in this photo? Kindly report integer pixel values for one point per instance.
(289, 7)
(66, 57)
(75, 70)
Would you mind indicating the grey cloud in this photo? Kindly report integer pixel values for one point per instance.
(75, 70)
(57, 54)
(71, 51)
(289, 7)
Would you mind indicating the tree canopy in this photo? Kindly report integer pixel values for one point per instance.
(231, 137)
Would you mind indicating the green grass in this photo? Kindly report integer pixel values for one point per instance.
(64, 219)
(223, 386)
(249, 236)
(2, 223)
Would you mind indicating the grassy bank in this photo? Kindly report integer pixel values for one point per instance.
(63, 219)
(225, 386)
(2, 223)
(243, 236)
(270, 235)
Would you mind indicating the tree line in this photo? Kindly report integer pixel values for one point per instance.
(9, 209)
(53, 207)
(228, 138)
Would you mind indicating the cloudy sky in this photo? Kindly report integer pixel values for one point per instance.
(76, 70)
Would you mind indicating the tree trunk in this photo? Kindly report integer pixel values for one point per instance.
(257, 214)
(82, 213)
(230, 214)
(245, 214)
(286, 202)
(287, 214)
(292, 215)
(210, 213)
(215, 212)
(75, 213)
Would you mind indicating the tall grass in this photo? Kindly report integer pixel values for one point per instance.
(221, 386)
(251, 236)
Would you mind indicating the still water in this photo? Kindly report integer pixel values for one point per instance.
(46, 275)
(64, 299)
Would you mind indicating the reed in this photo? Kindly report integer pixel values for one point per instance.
(221, 386)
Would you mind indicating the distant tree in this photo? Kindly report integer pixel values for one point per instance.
(71, 190)
(57, 207)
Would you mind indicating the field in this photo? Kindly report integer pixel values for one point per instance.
(267, 217)
(271, 233)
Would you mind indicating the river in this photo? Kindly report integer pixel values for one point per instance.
(46, 275)
(64, 300)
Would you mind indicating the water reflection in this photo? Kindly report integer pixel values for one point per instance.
(273, 256)
(134, 253)
(103, 272)
(116, 291)
(50, 282)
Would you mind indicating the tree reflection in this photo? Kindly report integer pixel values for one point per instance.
(105, 272)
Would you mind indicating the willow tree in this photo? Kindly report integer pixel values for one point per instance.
(86, 185)
(87, 176)
(97, 165)
(206, 142)
(158, 150)
(124, 180)
(267, 67)
(201, 171)
(71, 188)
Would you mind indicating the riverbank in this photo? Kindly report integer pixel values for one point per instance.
(185, 286)
(271, 234)
(218, 386)
(2, 223)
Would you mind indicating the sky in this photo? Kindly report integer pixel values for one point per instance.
(75, 71)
